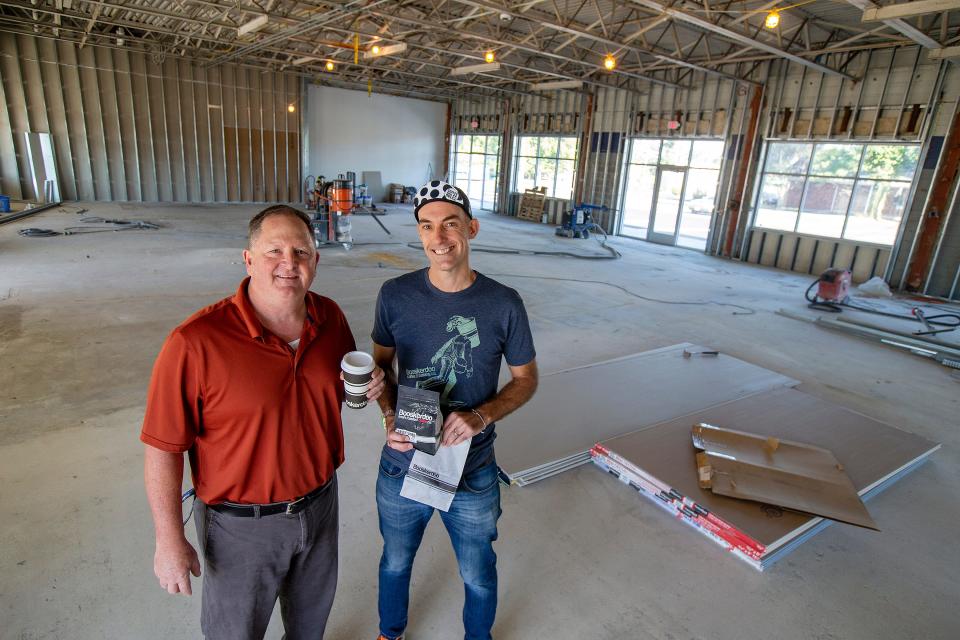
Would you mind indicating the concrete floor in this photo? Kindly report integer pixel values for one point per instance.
(581, 556)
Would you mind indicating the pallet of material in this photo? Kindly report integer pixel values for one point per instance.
(575, 408)
(659, 462)
(531, 204)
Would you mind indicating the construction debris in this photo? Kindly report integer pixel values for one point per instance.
(788, 474)
(661, 464)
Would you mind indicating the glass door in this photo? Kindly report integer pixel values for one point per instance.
(666, 207)
(698, 202)
(669, 190)
(638, 202)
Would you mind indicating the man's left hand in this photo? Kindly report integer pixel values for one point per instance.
(377, 384)
(460, 426)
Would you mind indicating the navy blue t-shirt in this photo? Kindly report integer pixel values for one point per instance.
(453, 343)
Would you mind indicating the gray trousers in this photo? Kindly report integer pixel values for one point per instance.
(250, 562)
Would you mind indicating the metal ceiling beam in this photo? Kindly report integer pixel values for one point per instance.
(590, 36)
(93, 20)
(315, 22)
(444, 92)
(909, 9)
(150, 11)
(735, 36)
(899, 25)
(547, 72)
(537, 52)
(846, 49)
(126, 23)
(706, 42)
(109, 38)
(945, 54)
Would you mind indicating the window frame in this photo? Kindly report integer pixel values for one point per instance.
(456, 155)
(656, 165)
(857, 180)
(552, 190)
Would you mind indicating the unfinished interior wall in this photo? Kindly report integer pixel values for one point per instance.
(703, 109)
(898, 95)
(402, 138)
(133, 126)
(551, 113)
(604, 146)
(944, 277)
(942, 280)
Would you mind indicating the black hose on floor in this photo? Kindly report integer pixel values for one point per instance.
(950, 320)
(34, 232)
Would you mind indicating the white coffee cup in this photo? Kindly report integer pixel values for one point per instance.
(357, 367)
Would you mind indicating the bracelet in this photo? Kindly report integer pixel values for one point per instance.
(479, 415)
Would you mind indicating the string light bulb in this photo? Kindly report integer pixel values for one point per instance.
(609, 63)
(375, 49)
(772, 20)
(489, 56)
(329, 65)
(291, 108)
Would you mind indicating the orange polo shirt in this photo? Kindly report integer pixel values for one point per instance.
(261, 422)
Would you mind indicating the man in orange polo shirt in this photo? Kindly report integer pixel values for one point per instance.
(250, 389)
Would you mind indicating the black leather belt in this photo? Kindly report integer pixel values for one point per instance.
(260, 510)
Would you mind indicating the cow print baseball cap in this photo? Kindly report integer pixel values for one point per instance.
(443, 191)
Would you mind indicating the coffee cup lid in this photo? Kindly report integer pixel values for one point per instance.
(357, 362)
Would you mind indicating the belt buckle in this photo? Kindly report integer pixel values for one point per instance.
(293, 507)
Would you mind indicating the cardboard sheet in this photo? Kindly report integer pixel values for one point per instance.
(870, 451)
(575, 408)
(781, 472)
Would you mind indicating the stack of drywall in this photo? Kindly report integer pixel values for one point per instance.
(660, 463)
(575, 408)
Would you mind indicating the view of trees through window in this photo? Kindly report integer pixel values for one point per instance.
(546, 161)
(475, 165)
(837, 190)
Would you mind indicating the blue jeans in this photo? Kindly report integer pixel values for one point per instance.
(472, 525)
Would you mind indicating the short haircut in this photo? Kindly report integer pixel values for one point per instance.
(256, 222)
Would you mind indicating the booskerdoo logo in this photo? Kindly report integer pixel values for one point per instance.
(454, 359)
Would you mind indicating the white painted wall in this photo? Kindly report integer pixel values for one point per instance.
(351, 131)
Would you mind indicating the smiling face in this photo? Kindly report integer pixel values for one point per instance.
(281, 260)
(446, 231)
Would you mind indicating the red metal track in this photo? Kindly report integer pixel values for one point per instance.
(736, 199)
(936, 206)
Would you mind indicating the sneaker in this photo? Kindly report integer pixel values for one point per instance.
(383, 637)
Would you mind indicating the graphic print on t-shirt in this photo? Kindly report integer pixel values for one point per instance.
(452, 361)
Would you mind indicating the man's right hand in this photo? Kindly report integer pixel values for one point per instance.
(394, 439)
(173, 563)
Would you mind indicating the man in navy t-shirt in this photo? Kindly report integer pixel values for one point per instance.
(448, 327)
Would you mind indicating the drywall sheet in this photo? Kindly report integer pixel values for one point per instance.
(681, 507)
(575, 408)
(870, 451)
(43, 168)
(374, 186)
(788, 474)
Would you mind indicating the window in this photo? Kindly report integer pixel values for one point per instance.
(683, 175)
(475, 166)
(546, 161)
(851, 191)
